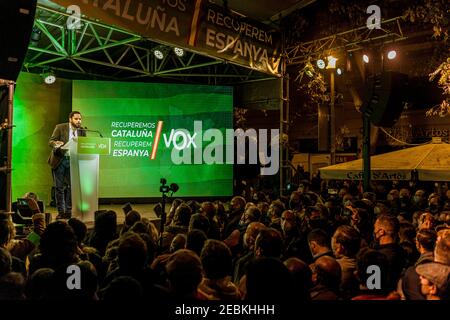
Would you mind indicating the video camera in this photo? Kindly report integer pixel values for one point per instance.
(164, 188)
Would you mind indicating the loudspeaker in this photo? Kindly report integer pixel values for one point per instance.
(16, 23)
(385, 95)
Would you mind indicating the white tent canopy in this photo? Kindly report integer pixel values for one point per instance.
(430, 162)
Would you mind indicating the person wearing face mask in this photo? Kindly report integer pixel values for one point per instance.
(386, 230)
(295, 245)
(295, 203)
(347, 200)
(433, 204)
(419, 201)
(405, 200)
(249, 239)
(394, 201)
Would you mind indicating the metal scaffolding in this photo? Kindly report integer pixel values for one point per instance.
(351, 40)
(102, 51)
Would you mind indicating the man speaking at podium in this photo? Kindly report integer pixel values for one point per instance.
(59, 160)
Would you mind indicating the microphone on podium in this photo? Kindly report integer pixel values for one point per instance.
(87, 130)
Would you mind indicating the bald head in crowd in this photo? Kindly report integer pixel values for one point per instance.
(327, 272)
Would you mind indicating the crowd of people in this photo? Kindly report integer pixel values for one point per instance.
(331, 244)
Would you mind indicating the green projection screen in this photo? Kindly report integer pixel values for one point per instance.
(129, 114)
(37, 109)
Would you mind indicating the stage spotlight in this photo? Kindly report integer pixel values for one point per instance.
(49, 77)
(160, 51)
(321, 64)
(331, 62)
(339, 71)
(366, 58)
(158, 54)
(179, 52)
(392, 54)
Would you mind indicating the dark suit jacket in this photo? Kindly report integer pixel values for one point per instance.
(60, 133)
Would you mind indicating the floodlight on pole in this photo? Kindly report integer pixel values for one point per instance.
(331, 62)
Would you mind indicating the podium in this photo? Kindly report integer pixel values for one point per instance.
(84, 172)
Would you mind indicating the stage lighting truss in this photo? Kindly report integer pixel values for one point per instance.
(351, 40)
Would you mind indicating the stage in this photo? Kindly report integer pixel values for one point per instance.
(146, 211)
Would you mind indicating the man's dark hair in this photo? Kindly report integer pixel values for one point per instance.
(407, 231)
(427, 239)
(254, 214)
(39, 283)
(132, 217)
(132, 252)
(151, 246)
(105, 230)
(184, 271)
(320, 237)
(216, 259)
(269, 242)
(196, 240)
(12, 286)
(59, 242)
(390, 223)
(268, 280)
(279, 207)
(74, 113)
(369, 257)
(79, 228)
(349, 238)
(301, 277)
(140, 227)
(178, 242)
(199, 221)
(182, 215)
